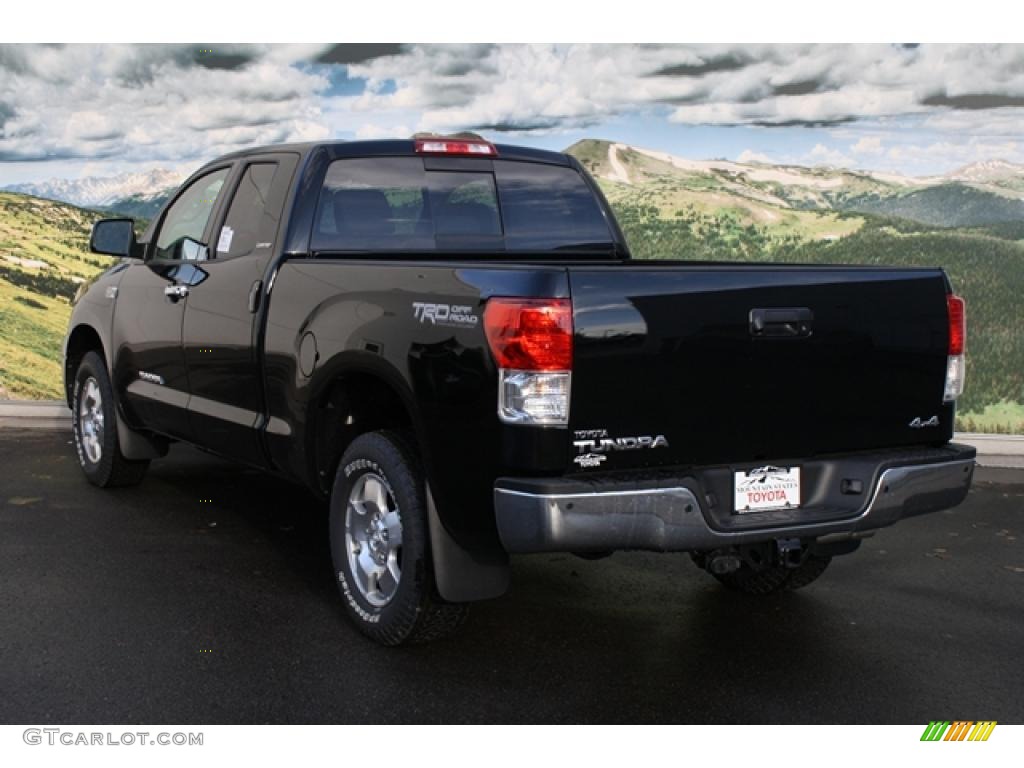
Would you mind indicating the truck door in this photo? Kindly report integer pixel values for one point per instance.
(149, 365)
(221, 330)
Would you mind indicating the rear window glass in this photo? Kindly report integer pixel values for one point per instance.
(395, 204)
(548, 207)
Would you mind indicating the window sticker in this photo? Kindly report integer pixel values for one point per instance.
(224, 244)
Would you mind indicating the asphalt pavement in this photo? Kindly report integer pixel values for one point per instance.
(205, 596)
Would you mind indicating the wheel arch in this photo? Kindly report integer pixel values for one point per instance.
(81, 340)
(358, 393)
(351, 397)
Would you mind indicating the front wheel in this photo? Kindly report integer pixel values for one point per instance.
(380, 543)
(94, 423)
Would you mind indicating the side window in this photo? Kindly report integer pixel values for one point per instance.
(188, 215)
(249, 222)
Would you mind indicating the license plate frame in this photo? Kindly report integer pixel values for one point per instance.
(766, 489)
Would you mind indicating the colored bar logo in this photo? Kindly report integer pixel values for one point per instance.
(959, 730)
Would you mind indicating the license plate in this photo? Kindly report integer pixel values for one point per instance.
(767, 488)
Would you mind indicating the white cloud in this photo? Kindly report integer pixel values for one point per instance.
(154, 102)
(170, 104)
(822, 155)
(868, 145)
(749, 156)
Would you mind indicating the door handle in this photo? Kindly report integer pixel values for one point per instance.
(175, 292)
(779, 322)
(254, 296)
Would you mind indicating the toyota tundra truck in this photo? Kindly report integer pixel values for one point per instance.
(447, 341)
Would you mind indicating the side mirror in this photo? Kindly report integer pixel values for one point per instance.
(114, 237)
(193, 251)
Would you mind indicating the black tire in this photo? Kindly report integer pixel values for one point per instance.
(774, 578)
(99, 452)
(413, 612)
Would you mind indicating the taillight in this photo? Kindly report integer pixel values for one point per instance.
(531, 340)
(441, 146)
(955, 359)
(530, 334)
(957, 328)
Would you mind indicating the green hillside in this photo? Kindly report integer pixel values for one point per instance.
(43, 258)
(136, 206)
(946, 205)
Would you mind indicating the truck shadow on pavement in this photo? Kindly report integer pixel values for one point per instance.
(635, 637)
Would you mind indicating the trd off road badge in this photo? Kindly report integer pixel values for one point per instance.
(454, 315)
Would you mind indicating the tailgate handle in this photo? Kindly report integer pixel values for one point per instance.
(781, 322)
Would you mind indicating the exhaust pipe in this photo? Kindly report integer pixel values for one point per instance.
(723, 562)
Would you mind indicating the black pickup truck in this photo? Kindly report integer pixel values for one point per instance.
(448, 340)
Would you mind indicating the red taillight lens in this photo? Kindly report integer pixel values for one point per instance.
(530, 334)
(455, 147)
(957, 324)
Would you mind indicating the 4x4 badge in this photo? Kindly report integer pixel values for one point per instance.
(918, 424)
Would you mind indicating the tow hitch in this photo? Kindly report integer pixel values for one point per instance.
(791, 552)
(788, 553)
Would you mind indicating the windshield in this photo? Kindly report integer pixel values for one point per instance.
(395, 204)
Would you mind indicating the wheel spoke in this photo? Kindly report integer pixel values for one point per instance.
(388, 578)
(375, 492)
(366, 572)
(355, 505)
(394, 528)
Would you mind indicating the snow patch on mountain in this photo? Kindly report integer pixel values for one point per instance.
(102, 191)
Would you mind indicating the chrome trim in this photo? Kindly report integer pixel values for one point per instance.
(670, 519)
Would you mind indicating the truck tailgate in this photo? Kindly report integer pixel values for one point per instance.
(747, 363)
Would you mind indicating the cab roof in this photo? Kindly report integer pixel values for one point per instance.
(393, 147)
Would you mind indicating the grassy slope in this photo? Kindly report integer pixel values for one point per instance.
(34, 306)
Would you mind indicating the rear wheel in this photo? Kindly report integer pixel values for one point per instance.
(94, 424)
(380, 543)
(770, 579)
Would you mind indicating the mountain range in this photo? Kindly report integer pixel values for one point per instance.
(982, 193)
(123, 193)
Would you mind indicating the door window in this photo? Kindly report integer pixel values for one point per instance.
(187, 217)
(250, 222)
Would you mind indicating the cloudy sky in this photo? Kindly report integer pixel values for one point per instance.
(79, 110)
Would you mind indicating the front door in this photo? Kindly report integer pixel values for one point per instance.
(221, 332)
(149, 363)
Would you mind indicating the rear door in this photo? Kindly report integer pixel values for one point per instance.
(738, 363)
(221, 328)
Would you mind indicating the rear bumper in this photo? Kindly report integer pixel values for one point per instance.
(684, 512)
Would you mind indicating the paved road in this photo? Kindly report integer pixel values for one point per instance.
(152, 605)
